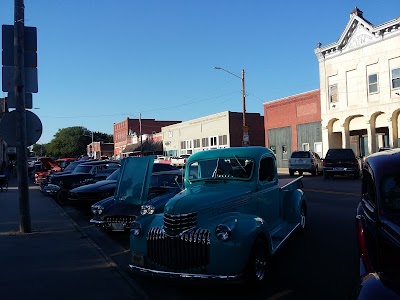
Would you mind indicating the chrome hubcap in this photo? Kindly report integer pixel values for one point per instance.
(303, 219)
(260, 264)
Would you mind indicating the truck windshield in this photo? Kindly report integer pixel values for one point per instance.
(231, 168)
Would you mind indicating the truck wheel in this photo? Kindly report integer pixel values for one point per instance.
(259, 263)
(291, 172)
(62, 197)
(326, 176)
(300, 173)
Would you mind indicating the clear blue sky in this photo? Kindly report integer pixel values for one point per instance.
(100, 61)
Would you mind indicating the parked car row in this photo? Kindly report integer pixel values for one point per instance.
(212, 221)
(205, 221)
(336, 162)
(58, 185)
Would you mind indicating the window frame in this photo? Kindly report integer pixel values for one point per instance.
(331, 87)
(395, 79)
(370, 84)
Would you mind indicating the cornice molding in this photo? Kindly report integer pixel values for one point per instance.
(357, 34)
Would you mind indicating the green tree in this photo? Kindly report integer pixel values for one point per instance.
(72, 141)
(39, 150)
(69, 142)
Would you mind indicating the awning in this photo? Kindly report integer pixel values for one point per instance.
(148, 147)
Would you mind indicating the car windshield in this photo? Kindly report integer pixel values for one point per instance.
(390, 193)
(72, 166)
(231, 168)
(82, 169)
(166, 180)
(114, 175)
(301, 154)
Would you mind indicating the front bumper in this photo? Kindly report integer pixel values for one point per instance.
(186, 276)
(113, 225)
(50, 189)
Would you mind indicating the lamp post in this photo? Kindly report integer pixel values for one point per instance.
(246, 140)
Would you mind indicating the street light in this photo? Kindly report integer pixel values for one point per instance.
(246, 140)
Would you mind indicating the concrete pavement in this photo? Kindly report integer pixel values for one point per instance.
(57, 260)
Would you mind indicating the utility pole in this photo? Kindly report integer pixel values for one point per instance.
(245, 127)
(140, 132)
(19, 89)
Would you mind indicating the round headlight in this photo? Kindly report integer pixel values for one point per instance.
(222, 232)
(97, 209)
(147, 209)
(136, 228)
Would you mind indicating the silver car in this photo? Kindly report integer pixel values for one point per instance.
(305, 161)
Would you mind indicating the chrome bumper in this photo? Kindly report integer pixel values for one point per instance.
(97, 222)
(186, 276)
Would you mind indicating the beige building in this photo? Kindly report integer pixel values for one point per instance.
(221, 130)
(360, 86)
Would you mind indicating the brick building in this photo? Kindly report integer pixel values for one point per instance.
(293, 123)
(126, 129)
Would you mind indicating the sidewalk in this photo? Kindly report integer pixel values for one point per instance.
(56, 260)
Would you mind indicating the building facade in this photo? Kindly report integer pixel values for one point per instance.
(221, 130)
(293, 123)
(126, 129)
(360, 86)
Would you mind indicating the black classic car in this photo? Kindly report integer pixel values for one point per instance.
(378, 227)
(85, 173)
(139, 191)
(91, 193)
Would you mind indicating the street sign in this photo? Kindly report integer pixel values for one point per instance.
(30, 46)
(8, 128)
(30, 75)
(12, 103)
(30, 59)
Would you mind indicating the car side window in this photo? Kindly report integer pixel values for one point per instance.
(266, 171)
(368, 188)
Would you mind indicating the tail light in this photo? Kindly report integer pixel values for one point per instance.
(324, 163)
(362, 246)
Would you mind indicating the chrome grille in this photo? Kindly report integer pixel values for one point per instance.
(120, 219)
(189, 250)
(175, 224)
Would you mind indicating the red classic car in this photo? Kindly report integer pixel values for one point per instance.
(43, 167)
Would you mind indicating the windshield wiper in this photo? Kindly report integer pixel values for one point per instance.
(214, 174)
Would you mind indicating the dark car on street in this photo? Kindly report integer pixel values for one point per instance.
(91, 193)
(378, 227)
(341, 162)
(68, 169)
(85, 173)
(138, 192)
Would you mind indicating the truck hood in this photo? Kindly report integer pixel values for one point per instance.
(216, 195)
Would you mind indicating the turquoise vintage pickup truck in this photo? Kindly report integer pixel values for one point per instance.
(228, 222)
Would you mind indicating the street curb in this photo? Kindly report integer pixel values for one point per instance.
(112, 264)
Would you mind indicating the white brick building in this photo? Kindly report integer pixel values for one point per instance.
(360, 86)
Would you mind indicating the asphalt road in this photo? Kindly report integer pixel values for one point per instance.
(322, 263)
